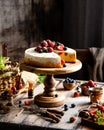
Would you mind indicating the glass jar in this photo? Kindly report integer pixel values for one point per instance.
(30, 90)
(96, 94)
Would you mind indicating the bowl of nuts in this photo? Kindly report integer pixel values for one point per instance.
(69, 83)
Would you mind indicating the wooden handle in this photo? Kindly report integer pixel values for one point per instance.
(52, 116)
(56, 111)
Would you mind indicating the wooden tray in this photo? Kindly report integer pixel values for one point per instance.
(91, 124)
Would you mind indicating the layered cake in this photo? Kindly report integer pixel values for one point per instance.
(49, 54)
(69, 55)
(33, 57)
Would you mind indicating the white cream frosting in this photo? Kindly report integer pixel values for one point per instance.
(41, 57)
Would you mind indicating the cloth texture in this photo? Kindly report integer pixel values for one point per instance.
(98, 66)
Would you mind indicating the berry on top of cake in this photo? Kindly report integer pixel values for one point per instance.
(66, 53)
(49, 54)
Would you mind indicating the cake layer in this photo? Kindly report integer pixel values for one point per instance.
(50, 60)
(68, 55)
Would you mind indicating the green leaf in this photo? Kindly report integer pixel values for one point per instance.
(41, 78)
(98, 112)
(100, 120)
(3, 61)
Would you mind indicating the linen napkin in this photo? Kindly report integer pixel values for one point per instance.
(98, 66)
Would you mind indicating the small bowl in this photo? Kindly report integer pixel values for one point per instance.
(69, 86)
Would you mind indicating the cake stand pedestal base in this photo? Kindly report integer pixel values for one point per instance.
(43, 101)
(50, 97)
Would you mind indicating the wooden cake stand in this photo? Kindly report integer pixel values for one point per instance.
(50, 97)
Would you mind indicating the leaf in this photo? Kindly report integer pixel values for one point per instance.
(3, 61)
(98, 112)
(100, 120)
(41, 78)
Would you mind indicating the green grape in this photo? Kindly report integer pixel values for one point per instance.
(2, 61)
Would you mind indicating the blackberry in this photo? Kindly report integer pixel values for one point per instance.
(65, 107)
(64, 65)
(73, 105)
(56, 95)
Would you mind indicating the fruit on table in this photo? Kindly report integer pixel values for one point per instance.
(72, 119)
(85, 90)
(94, 114)
(86, 86)
(84, 114)
(65, 107)
(91, 83)
(76, 94)
(100, 107)
(69, 83)
(27, 102)
(73, 105)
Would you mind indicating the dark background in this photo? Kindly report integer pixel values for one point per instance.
(76, 23)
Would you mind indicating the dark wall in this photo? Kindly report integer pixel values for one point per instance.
(23, 23)
(83, 23)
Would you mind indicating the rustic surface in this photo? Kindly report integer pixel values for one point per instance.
(23, 23)
(16, 119)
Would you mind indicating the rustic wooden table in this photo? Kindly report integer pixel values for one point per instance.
(17, 119)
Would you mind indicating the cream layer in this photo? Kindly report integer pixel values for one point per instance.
(42, 57)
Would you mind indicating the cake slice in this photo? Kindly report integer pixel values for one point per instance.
(69, 55)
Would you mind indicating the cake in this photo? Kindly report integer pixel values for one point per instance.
(68, 55)
(49, 54)
(51, 60)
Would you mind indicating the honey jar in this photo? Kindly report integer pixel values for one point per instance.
(30, 90)
(96, 94)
